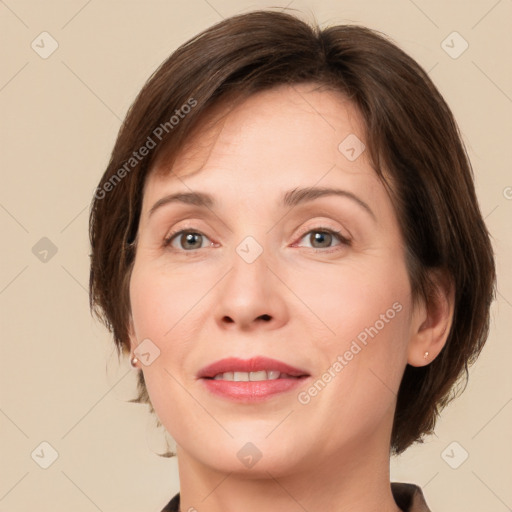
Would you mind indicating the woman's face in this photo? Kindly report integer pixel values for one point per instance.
(262, 273)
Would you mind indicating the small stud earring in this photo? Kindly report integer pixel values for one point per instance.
(133, 362)
(425, 355)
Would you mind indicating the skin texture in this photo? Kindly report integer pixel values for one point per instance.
(199, 303)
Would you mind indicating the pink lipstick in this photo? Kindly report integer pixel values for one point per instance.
(250, 380)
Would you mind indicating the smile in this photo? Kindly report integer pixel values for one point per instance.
(250, 380)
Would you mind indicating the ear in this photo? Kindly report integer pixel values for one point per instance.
(431, 322)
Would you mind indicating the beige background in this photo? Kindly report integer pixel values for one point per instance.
(60, 379)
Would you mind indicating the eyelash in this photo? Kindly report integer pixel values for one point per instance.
(320, 229)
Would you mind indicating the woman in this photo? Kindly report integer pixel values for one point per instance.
(339, 274)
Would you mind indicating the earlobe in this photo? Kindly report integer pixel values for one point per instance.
(132, 344)
(432, 321)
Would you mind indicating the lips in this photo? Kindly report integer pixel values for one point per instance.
(254, 365)
(251, 380)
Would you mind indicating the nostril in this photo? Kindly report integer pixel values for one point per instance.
(265, 317)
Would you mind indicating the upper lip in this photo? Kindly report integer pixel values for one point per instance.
(255, 364)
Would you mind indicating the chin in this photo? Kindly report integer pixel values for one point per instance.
(252, 456)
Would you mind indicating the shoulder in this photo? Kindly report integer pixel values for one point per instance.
(409, 497)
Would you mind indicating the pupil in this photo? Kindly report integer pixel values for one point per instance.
(320, 236)
(190, 238)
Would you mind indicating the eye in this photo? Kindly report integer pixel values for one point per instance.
(321, 238)
(188, 240)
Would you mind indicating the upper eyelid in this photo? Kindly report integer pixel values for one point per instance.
(323, 227)
(316, 224)
(303, 231)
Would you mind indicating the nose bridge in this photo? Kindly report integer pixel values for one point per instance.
(252, 248)
(250, 291)
(248, 278)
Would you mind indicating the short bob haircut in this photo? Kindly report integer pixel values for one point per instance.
(413, 144)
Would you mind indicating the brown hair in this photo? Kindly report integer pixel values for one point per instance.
(410, 132)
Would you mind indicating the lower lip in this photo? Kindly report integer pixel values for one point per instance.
(251, 391)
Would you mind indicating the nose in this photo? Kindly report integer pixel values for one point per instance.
(251, 297)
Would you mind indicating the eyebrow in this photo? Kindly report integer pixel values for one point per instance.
(290, 199)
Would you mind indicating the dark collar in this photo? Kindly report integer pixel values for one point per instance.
(408, 497)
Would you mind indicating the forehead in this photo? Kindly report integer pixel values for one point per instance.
(288, 133)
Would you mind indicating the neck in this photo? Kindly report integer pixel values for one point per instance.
(354, 480)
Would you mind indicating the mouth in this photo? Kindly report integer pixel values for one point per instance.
(257, 376)
(251, 380)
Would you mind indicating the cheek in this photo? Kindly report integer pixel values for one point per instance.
(161, 301)
(164, 316)
(345, 300)
(361, 319)
(158, 314)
